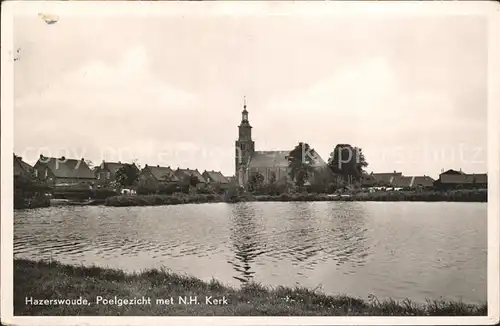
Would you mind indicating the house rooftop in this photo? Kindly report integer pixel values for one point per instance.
(66, 168)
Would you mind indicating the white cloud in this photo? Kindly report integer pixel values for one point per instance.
(110, 89)
(367, 93)
(352, 90)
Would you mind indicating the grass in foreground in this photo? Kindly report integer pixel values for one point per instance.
(52, 280)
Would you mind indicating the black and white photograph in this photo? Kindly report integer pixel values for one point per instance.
(256, 159)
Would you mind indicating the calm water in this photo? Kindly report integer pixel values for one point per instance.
(398, 250)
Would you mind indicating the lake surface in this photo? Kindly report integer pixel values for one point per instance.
(399, 250)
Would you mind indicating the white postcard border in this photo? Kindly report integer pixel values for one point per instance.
(489, 9)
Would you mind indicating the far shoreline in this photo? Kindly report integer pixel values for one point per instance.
(463, 196)
(382, 196)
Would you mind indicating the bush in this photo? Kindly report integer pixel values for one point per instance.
(168, 189)
(103, 193)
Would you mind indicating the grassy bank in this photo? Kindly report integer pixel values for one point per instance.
(153, 200)
(180, 198)
(52, 280)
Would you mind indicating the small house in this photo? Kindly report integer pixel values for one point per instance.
(453, 179)
(64, 172)
(106, 172)
(385, 179)
(215, 178)
(184, 176)
(154, 176)
(21, 168)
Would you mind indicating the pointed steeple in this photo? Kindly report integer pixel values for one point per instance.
(244, 113)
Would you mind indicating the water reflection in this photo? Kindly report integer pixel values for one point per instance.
(245, 237)
(398, 250)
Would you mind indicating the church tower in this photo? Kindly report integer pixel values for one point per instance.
(245, 146)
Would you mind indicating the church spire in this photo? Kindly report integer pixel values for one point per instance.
(244, 113)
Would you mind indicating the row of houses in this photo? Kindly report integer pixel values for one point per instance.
(450, 179)
(64, 172)
(61, 171)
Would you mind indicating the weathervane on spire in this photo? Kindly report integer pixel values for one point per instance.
(244, 101)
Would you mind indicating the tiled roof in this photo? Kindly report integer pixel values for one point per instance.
(183, 172)
(272, 159)
(269, 159)
(386, 177)
(67, 168)
(456, 178)
(481, 177)
(453, 172)
(215, 176)
(111, 166)
(159, 172)
(20, 166)
(464, 178)
(424, 181)
(401, 182)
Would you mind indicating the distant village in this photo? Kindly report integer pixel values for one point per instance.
(65, 172)
(253, 169)
(61, 173)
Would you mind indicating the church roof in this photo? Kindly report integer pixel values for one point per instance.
(269, 159)
(272, 159)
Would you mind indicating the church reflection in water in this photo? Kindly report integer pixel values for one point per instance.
(246, 240)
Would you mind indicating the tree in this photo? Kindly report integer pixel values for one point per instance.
(256, 181)
(300, 163)
(272, 178)
(127, 175)
(348, 162)
(191, 180)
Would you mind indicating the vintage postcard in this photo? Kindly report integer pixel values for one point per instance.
(318, 162)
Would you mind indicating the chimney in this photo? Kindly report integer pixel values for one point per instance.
(188, 169)
(82, 159)
(63, 158)
(119, 162)
(460, 169)
(41, 155)
(146, 165)
(158, 165)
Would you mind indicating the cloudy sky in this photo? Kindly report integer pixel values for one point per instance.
(411, 92)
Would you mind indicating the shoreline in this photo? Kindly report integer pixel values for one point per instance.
(383, 196)
(51, 280)
(466, 195)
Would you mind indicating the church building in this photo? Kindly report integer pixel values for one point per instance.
(270, 164)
